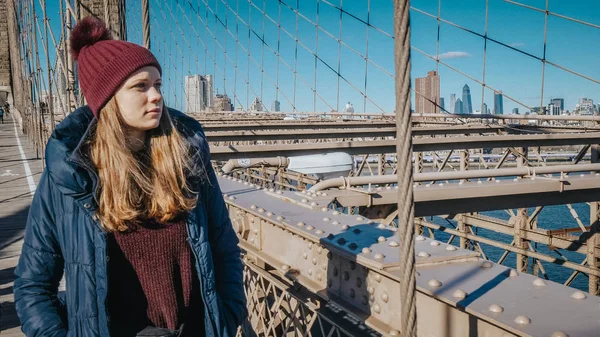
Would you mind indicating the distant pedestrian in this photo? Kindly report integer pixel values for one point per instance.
(2, 114)
(129, 209)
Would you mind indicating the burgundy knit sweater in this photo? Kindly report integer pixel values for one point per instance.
(152, 280)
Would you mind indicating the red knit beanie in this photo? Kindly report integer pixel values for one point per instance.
(103, 63)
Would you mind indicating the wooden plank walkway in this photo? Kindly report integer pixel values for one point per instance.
(15, 199)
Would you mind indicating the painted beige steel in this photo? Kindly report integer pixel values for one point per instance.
(233, 164)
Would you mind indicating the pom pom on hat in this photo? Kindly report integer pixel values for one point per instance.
(87, 32)
(103, 63)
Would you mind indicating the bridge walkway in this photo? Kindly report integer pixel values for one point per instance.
(20, 171)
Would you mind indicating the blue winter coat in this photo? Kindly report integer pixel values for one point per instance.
(63, 234)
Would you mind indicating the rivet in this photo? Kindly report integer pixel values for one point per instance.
(370, 290)
(329, 255)
(434, 243)
(393, 244)
(246, 183)
(279, 218)
(324, 194)
(352, 293)
(336, 213)
(279, 192)
(366, 250)
(310, 245)
(376, 308)
(385, 297)
(326, 219)
(419, 238)
(225, 195)
(335, 271)
(378, 278)
(309, 272)
(261, 210)
(335, 223)
(434, 283)
(379, 256)
(271, 190)
(314, 261)
(460, 294)
(314, 203)
(423, 254)
(330, 283)
(330, 236)
(381, 239)
(360, 218)
(578, 295)
(319, 277)
(310, 228)
(255, 231)
(304, 200)
(352, 265)
(353, 246)
(450, 248)
(324, 209)
(257, 187)
(496, 308)
(522, 319)
(370, 222)
(303, 191)
(252, 206)
(269, 214)
(559, 334)
(394, 332)
(487, 264)
(346, 276)
(314, 195)
(305, 256)
(381, 226)
(365, 300)
(319, 250)
(341, 241)
(358, 282)
(319, 231)
(285, 267)
(356, 230)
(538, 282)
(252, 240)
(345, 227)
(513, 273)
(300, 224)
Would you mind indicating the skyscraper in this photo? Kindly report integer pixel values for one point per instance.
(452, 102)
(485, 109)
(558, 102)
(195, 93)
(515, 111)
(275, 106)
(428, 93)
(498, 105)
(458, 107)
(442, 106)
(466, 100)
(256, 105)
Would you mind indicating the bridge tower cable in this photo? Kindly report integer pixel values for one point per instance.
(406, 211)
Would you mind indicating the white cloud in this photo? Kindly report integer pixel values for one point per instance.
(453, 55)
(517, 44)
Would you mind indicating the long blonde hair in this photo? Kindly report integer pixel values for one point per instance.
(150, 184)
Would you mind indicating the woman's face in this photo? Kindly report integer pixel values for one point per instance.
(140, 100)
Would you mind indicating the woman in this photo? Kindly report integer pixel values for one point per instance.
(129, 207)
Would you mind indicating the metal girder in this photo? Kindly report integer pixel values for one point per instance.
(389, 146)
(299, 125)
(237, 136)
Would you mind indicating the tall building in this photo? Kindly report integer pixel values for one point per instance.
(554, 110)
(558, 102)
(466, 100)
(197, 93)
(349, 108)
(515, 111)
(498, 104)
(210, 102)
(586, 106)
(222, 103)
(452, 102)
(442, 105)
(428, 93)
(275, 106)
(485, 109)
(458, 107)
(256, 105)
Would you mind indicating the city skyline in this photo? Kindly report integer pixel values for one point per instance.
(301, 75)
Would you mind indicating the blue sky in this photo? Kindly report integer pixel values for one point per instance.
(184, 34)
